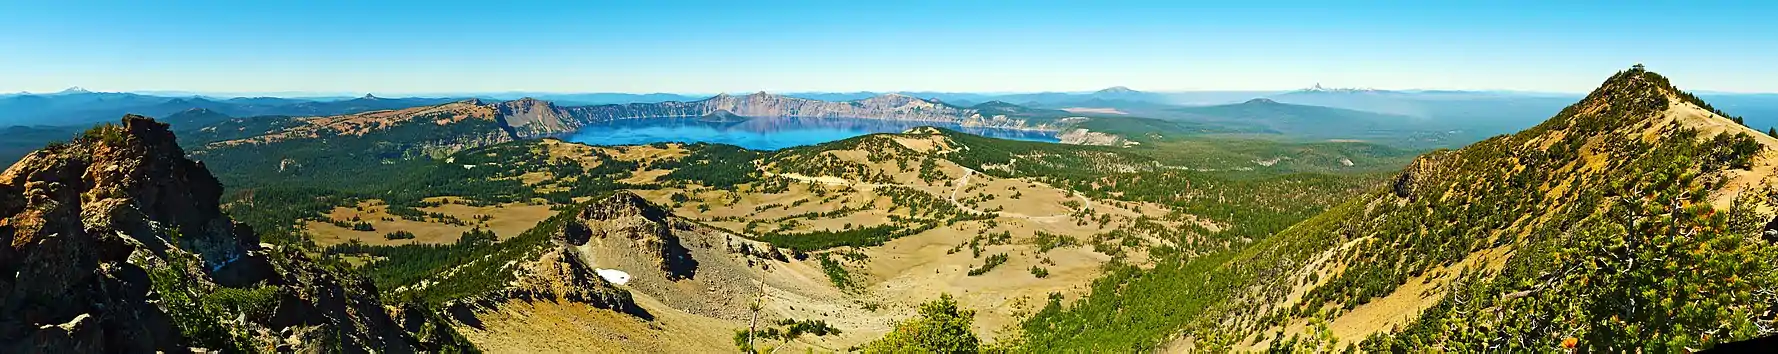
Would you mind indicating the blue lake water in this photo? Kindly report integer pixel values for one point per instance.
(766, 133)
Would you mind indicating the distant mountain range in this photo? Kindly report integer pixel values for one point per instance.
(77, 106)
(1476, 114)
(1301, 120)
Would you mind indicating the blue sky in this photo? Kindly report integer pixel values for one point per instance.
(392, 47)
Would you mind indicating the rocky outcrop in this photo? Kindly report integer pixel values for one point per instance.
(562, 275)
(116, 243)
(1409, 184)
(132, 176)
(558, 275)
(628, 216)
(534, 115)
(74, 216)
(1087, 137)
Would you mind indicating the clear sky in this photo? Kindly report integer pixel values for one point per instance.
(392, 47)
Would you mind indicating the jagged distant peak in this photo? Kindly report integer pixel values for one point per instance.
(1118, 89)
(368, 96)
(1318, 88)
(72, 91)
(1261, 100)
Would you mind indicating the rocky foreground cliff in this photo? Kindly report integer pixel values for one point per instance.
(115, 243)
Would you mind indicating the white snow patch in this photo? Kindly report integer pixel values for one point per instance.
(614, 276)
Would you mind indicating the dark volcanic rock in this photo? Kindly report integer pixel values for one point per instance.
(86, 223)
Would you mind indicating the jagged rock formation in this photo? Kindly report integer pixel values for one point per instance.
(630, 217)
(1409, 182)
(563, 271)
(1087, 137)
(115, 243)
(559, 274)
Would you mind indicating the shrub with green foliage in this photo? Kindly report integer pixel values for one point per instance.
(988, 265)
(942, 327)
(200, 316)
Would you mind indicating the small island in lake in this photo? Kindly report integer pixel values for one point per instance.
(722, 116)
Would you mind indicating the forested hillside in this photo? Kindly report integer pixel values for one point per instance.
(1634, 220)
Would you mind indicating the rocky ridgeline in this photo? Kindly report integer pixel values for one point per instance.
(632, 218)
(562, 272)
(536, 118)
(558, 275)
(1086, 137)
(116, 243)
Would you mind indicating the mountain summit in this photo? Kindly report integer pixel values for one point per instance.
(1117, 90)
(75, 90)
(118, 244)
(1610, 227)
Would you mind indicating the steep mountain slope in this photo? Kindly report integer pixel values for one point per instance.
(692, 284)
(117, 244)
(340, 150)
(1633, 220)
(851, 235)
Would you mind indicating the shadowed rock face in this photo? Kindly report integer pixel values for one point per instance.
(74, 214)
(629, 216)
(1424, 170)
(561, 273)
(132, 179)
(86, 223)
